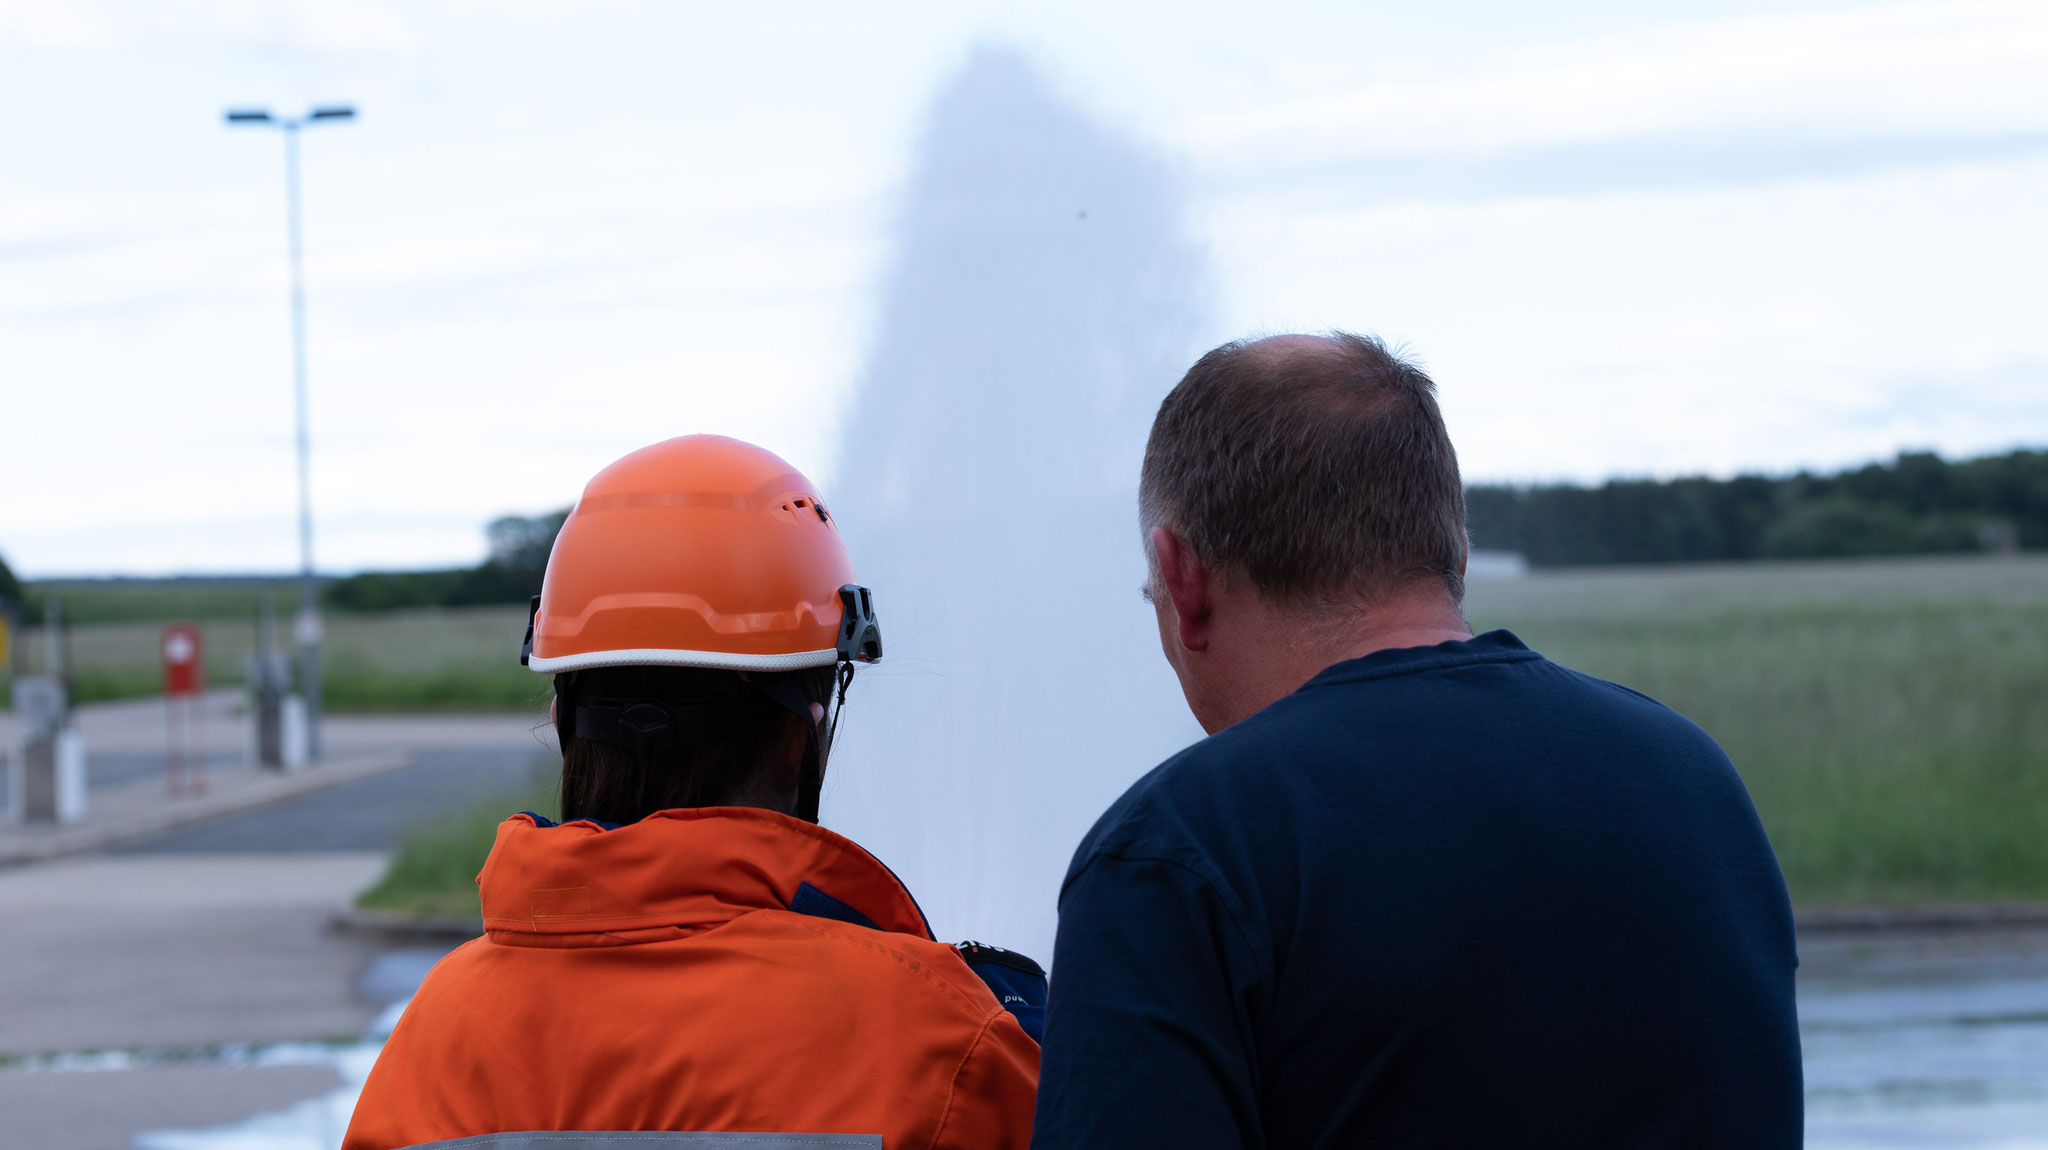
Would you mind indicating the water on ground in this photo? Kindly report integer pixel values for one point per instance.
(1929, 1042)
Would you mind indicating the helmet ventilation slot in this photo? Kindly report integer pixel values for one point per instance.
(794, 506)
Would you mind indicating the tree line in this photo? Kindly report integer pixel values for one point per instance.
(10, 588)
(519, 546)
(1916, 504)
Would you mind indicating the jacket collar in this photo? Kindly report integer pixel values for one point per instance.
(676, 872)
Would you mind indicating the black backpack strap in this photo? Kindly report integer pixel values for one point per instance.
(1017, 982)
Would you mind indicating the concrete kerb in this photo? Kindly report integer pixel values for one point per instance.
(1927, 917)
(405, 926)
(122, 814)
(1844, 922)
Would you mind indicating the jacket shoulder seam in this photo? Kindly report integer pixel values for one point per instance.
(909, 963)
(953, 1086)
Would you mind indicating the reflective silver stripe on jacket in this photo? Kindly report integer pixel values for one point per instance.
(650, 1140)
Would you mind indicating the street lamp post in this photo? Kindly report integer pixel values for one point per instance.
(308, 625)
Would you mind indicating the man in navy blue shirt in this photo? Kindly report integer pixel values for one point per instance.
(1417, 888)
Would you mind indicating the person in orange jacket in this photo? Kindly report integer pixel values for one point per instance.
(688, 959)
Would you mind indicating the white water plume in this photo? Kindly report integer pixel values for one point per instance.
(1042, 302)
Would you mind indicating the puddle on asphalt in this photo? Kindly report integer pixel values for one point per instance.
(1893, 1060)
(316, 1124)
(395, 974)
(1948, 1062)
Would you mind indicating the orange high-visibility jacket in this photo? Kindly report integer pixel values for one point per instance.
(653, 978)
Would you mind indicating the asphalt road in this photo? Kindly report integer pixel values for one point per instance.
(371, 815)
(217, 933)
(105, 769)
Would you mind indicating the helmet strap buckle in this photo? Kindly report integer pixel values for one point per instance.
(860, 634)
(532, 615)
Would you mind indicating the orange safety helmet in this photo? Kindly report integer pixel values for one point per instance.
(700, 551)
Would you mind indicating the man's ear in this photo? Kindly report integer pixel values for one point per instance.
(1187, 585)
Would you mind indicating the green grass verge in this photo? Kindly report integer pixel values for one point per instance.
(1887, 718)
(434, 871)
(1887, 715)
(493, 689)
(93, 601)
(453, 659)
(351, 689)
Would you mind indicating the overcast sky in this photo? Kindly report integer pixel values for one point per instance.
(1626, 238)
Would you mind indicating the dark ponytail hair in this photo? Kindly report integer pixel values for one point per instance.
(614, 783)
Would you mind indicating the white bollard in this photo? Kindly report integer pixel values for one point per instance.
(70, 805)
(293, 734)
(17, 779)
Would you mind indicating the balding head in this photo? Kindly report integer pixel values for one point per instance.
(1316, 466)
(1276, 352)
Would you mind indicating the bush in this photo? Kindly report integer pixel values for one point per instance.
(390, 590)
(1917, 504)
(10, 587)
(519, 557)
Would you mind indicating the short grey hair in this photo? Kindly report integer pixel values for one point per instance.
(1318, 468)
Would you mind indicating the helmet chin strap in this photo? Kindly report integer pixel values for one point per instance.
(810, 781)
(845, 681)
(810, 778)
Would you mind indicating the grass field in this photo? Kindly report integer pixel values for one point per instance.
(1890, 717)
(93, 601)
(424, 660)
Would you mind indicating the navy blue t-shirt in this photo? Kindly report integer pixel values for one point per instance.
(1440, 896)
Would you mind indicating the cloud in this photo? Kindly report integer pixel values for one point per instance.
(1603, 167)
(1707, 246)
(1969, 410)
(370, 27)
(1659, 332)
(1905, 70)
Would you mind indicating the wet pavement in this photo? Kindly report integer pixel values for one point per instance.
(94, 1111)
(1921, 1040)
(184, 992)
(157, 952)
(1937, 1040)
(191, 979)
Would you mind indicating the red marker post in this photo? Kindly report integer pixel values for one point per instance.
(184, 709)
